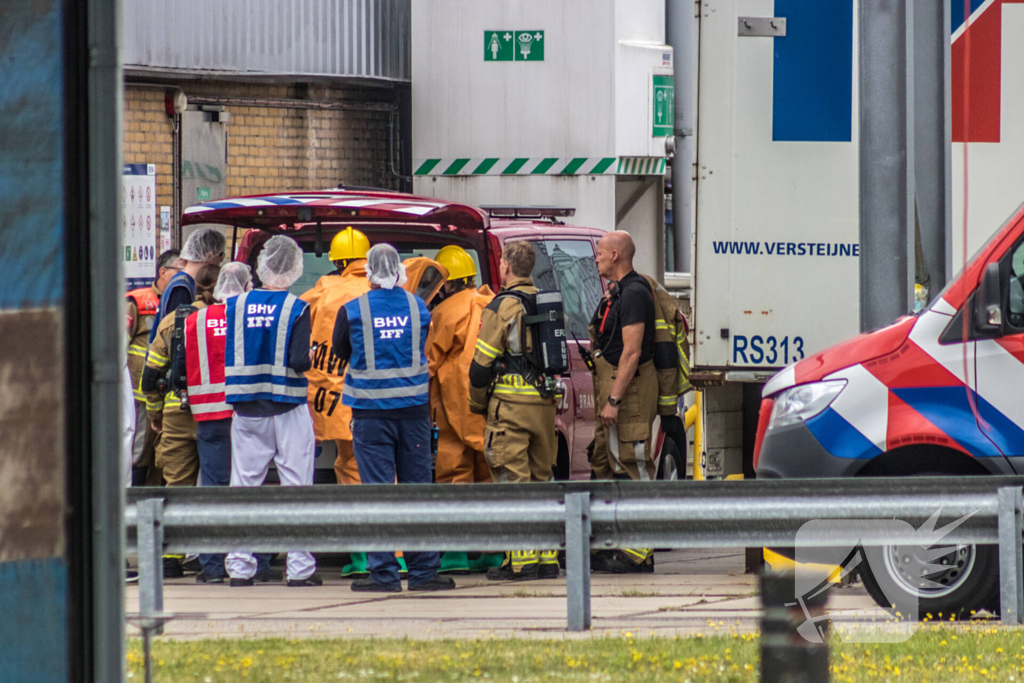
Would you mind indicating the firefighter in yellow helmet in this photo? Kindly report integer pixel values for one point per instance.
(454, 325)
(326, 378)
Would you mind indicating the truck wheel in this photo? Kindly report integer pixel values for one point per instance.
(673, 464)
(963, 580)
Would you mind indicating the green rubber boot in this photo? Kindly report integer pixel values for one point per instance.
(454, 563)
(403, 570)
(485, 562)
(357, 567)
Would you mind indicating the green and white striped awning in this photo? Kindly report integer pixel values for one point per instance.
(495, 166)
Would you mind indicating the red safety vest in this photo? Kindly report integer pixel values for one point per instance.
(147, 303)
(205, 332)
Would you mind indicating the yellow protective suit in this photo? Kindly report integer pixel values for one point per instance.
(331, 419)
(424, 277)
(454, 325)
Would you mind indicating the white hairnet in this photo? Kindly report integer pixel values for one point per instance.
(234, 279)
(280, 263)
(384, 267)
(205, 245)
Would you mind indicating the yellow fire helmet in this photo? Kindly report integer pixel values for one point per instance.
(459, 263)
(348, 244)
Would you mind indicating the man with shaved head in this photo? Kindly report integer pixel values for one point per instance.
(625, 383)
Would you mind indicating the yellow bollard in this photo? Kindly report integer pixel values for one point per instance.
(698, 435)
(691, 414)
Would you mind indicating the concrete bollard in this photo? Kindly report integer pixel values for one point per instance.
(794, 633)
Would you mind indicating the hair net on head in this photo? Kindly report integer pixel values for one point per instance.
(205, 245)
(280, 263)
(384, 267)
(234, 279)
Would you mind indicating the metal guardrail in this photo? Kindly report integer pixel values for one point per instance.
(575, 516)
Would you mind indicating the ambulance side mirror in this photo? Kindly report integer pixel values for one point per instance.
(988, 304)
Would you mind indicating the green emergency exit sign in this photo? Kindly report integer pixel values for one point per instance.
(663, 104)
(513, 46)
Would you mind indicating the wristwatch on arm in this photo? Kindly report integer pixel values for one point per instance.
(614, 402)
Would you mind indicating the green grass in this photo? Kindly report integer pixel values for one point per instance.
(935, 653)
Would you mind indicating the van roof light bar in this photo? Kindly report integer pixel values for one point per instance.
(549, 212)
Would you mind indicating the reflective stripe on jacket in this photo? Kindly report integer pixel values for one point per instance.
(205, 332)
(259, 326)
(388, 368)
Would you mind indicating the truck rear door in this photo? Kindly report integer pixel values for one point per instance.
(776, 258)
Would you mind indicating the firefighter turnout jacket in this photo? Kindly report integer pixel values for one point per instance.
(498, 358)
(158, 361)
(520, 444)
(142, 306)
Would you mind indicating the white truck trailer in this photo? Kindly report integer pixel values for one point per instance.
(775, 184)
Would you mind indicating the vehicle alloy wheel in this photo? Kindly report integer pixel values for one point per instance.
(954, 580)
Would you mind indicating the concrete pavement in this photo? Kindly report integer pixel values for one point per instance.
(690, 592)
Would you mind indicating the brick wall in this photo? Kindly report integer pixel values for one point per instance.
(148, 137)
(269, 149)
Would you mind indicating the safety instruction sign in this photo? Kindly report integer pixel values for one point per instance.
(138, 223)
(663, 106)
(513, 46)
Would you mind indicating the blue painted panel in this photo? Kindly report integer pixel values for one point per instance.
(812, 100)
(33, 635)
(956, 12)
(840, 438)
(948, 409)
(1003, 431)
(31, 154)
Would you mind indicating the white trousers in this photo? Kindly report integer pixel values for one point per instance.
(128, 426)
(287, 441)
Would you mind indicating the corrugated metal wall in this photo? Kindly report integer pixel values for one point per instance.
(351, 38)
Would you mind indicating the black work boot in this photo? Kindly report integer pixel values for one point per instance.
(172, 568)
(368, 585)
(311, 580)
(505, 573)
(438, 583)
(203, 577)
(620, 563)
(548, 568)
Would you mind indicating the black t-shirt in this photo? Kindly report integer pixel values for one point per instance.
(631, 302)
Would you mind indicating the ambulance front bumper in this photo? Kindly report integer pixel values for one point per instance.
(793, 452)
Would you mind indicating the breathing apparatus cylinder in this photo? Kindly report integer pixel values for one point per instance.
(549, 324)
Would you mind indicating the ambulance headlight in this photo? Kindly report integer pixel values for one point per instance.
(801, 403)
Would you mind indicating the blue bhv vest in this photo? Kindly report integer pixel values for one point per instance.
(180, 279)
(388, 368)
(259, 329)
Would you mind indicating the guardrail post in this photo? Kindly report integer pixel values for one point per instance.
(577, 560)
(1011, 564)
(151, 566)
